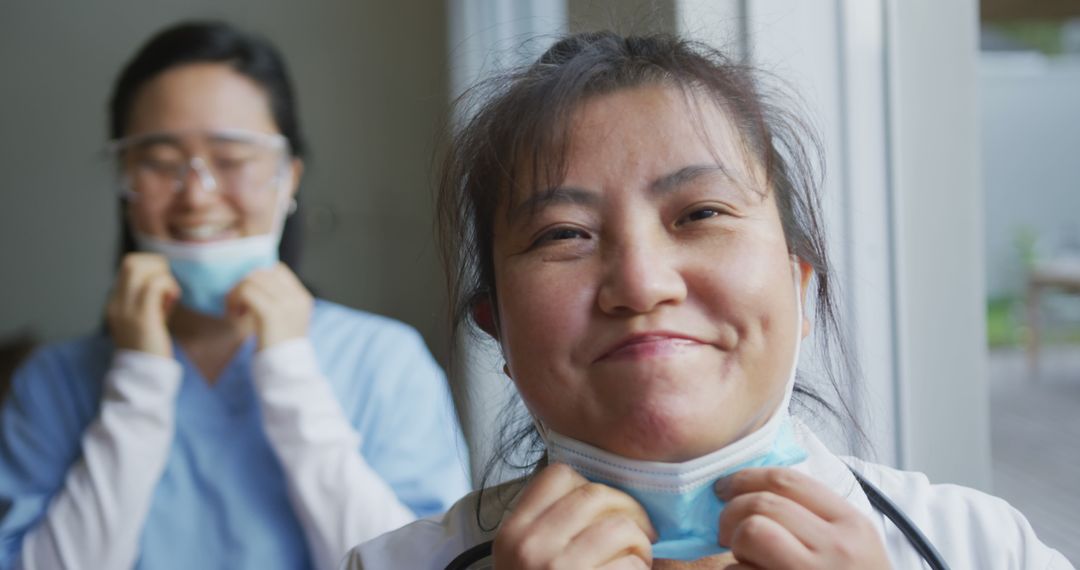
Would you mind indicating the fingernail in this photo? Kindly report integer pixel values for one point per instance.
(722, 485)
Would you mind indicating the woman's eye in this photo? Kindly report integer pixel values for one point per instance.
(160, 166)
(699, 214)
(229, 163)
(561, 234)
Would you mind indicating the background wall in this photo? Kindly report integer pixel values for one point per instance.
(371, 79)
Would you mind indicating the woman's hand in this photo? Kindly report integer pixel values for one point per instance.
(714, 562)
(561, 520)
(141, 300)
(778, 518)
(279, 303)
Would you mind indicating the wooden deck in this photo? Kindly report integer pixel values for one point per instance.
(1035, 430)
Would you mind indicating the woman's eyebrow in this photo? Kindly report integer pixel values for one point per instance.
(554, 195)
(685, 175)
(581, 196)
(153, 139)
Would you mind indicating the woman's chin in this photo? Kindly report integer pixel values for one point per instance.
(660, 435)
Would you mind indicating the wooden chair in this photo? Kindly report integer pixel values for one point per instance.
(1062, 274)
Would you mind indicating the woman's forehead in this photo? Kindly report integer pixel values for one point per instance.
(658, 130)
(200, 96)
(653, 126)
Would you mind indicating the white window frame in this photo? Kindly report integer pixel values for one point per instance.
(892, 84)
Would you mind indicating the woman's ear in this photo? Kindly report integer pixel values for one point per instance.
(483, 314)
(297, 165)
(296, 172)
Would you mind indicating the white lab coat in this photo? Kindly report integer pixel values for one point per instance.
(971, 530)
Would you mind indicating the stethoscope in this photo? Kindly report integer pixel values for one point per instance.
(892, 512)
(877, 499)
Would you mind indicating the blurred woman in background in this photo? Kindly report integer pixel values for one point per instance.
(227, 419)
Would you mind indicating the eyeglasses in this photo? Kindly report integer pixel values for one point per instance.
(154, 166)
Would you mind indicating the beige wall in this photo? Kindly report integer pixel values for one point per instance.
(372, 87)
(624, 16)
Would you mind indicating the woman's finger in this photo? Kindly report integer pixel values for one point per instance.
(628, 562)
(786, 482)
(249, 296)
(282, 310)
(262, 281)
(142, 296)
(780, 518)
(761, 541)
(271, 284)
(559, 508)
(286, 285)
(712, 562)
(608, 540)
(135, 269)
(590, 502)
(155, 293)
(292, 281)
(544, 490)
(809, 528)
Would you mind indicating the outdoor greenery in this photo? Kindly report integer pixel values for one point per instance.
(1006, 315)
(1002, 328)
(1042, 35)
(1006, 322)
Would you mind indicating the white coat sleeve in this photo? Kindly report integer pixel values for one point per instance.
(339, 499)
(96, 519)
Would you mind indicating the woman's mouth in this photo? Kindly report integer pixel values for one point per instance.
(204, 232)
(649, 345)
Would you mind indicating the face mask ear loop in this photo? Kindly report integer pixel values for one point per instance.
(540, 428)
(790, 387)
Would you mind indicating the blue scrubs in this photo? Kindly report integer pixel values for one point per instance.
(222, 500)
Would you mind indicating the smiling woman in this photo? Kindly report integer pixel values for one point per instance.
(635, 223)
(228, 418)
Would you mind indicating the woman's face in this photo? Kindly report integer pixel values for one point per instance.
(647, 305)
(209, 113)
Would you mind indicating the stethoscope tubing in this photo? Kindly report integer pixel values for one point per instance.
(470, 556)
(915, 536)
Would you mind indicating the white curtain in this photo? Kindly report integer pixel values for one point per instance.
(488, 36)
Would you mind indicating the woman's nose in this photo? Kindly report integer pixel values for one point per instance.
(196, 183)
(640, 276)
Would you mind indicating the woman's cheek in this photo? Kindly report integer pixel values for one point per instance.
(547, 315)
(146, 219)
(258, 214)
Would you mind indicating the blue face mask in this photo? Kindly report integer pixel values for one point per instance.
(679, 497)
(208, 271)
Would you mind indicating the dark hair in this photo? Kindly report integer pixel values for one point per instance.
(214, 42)
(515, 137)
